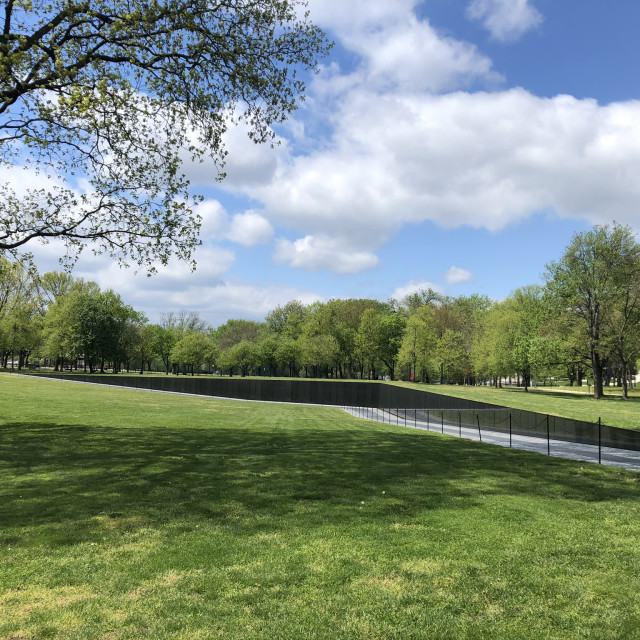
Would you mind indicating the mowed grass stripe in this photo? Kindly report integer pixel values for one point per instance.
(126, 514)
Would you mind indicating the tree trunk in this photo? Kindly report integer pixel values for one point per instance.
(625, 384)
(596, 364)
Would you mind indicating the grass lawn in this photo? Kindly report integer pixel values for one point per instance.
(613, 410)
(126, 514)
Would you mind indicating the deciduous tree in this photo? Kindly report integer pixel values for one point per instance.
(590, 284)
(101, 102)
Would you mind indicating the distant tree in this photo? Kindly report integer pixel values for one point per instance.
(63, 333)
(379, 338)
(266, 352)
(234, 331)
(368, 340)
(319, 352)
(166, 337)
(287, 320)
(414, 301)
(52, 285)
(417, 349)
(452, 357)
(288, 355)
(184, 321)
(242, 355)
(193, 350)
(20, 317)
(145, 345)
(590, 284)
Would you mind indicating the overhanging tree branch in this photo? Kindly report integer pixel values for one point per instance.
(116, 97)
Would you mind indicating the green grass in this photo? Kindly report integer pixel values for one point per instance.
(612, 409)
(569, 402)
(126, 514)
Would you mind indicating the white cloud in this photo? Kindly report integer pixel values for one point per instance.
(212, 264)
(250, 228)
(247, 163)
(359, 15)
(415, 286)
(506, 20)
(209, 291)
(456, 275)
(397, 49)
(214, 220)
(246, 300)
(484, 160)
(221, 300)
(323, 253)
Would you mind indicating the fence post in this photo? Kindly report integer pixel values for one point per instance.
(415, 418)
(479, 432)
(510, 430)
(442, 418)
(460, 424)
(599, 440)
(397, 417)
(428, 421)
(548, 438)
(405, 417)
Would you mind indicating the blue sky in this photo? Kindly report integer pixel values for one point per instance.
(457, 144)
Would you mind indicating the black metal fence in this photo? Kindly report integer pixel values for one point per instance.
(422, 405)
(510, 427)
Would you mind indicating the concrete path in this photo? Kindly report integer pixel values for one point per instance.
(574, 451)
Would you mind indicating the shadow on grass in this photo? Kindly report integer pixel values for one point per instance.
(52, 474)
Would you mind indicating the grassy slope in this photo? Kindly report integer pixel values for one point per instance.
(127, 514)
(614, 411)
(567, 402)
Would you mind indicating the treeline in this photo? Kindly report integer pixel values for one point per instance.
(582, 324)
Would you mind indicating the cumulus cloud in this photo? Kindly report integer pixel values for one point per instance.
(214, 220)
(506, 20)
(210, 290)
(456, 275)
(481, 159)
(247, 163)
(221, 300)
(397, 49)
(251, 301)
(323, 253)
(249, 229)
(414, 286)
(212, 264)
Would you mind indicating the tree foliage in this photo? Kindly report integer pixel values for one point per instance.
(535, 333)
(104, 101)
(591, 284)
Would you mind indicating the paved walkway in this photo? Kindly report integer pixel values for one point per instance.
(559, 448)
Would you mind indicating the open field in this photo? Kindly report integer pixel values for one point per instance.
(613, 410)
(126, 514)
